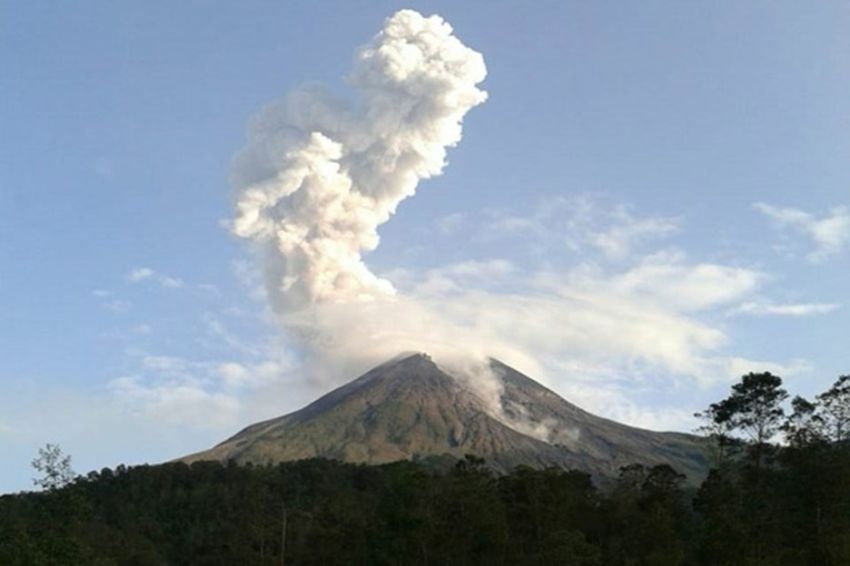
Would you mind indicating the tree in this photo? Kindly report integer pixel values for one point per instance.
(755, 408)
(663, 481)
(834, 406)
(55, 467)
(804, 423)
(717, 425)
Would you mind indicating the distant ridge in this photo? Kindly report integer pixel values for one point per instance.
(410, 408)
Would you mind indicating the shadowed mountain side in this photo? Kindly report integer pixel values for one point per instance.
(410, 408)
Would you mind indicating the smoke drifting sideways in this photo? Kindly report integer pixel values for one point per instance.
(319, 175)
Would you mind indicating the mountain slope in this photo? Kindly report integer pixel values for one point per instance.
(410, 408)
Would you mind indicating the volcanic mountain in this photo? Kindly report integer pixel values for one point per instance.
(411, 408)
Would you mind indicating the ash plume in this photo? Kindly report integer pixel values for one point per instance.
(320, 175)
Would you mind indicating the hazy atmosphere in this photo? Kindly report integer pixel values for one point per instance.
(212, 213)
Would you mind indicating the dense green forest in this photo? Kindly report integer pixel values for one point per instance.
(765, 502)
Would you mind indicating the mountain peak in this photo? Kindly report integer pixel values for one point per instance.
(411, 359)
(409, 408)
(404, 356)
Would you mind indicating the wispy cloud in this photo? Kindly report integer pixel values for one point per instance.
(450, 223)
(618, 240)
(213, 388)
(201, 394)
(117, 305)
(789, 309)
(140, 274)
(240, 375)
(176, 403)
(142, 329)
(582, 222)
(456, 277)
(668, 279)
(110, 302)
(830, 233)
(653, 318)
(218, 330)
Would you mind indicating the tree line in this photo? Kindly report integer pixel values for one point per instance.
(778, 494)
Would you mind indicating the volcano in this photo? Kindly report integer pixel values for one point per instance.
(410, 408)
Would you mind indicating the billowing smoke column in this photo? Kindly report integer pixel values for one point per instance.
(319, 175)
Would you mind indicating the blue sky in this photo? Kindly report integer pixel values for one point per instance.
(684, 163)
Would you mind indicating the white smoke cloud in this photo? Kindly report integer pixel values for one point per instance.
(319, 175)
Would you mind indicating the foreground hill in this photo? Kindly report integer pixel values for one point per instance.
(411, 409)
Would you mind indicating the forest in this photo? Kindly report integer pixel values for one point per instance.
(778, 494)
